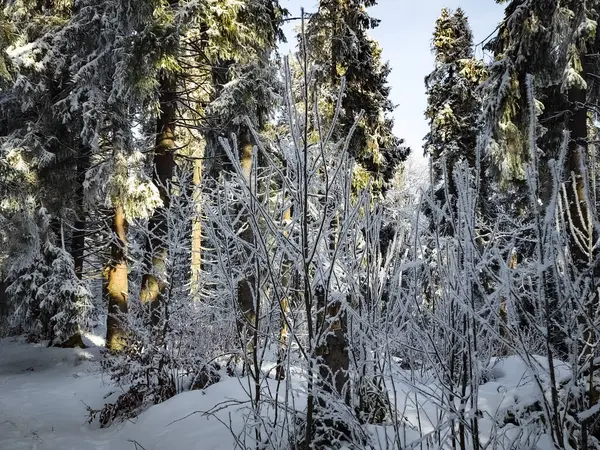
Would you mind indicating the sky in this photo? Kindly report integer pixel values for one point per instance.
(405, 35)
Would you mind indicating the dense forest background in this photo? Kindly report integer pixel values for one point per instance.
(225, 212)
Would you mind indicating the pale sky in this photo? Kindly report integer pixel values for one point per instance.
(405, 35)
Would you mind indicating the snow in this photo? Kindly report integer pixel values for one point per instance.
(43, 398)
(23, 55)
(45, 393)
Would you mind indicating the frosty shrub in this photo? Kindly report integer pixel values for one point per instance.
(171, 348)
(295, 253)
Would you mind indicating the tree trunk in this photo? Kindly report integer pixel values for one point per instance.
(216, 158)
(332, 353)
(196, 258)
(333, 364)
(78, 241)
(582, 238)
(246, 287)
(287, 282)
(335, 42)
(154, 280)
(117, 284)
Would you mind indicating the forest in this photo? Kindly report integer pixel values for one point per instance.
(207, 243)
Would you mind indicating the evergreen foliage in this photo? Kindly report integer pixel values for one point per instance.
(338, 45)
(453, 107)
(48, 300)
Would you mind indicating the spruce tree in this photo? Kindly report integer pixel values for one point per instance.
(110, 91)
(543, 89)
(39, 141)
(453, 108)
(339, 45)
(526, 44)
(239, 84)
(453, 111)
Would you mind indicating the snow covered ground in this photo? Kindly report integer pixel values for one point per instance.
(45, 392)
(43, 398)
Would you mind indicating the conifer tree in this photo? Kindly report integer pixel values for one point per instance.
(524, 45)
(80, 92)
(453, 108)
(238, 85)
(543, 89)
(453, 111)
(38, 143)
(339, 44)
(110, 92)
(245, 93)
(552, 43)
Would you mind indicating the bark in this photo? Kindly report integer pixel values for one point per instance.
(117, 284)
(287, 277)
(333, 364)
(154, 280)
(246, 287)
(78, 241)
(196, 258)
(216, 157)
(583, 236)
(335, 44)
(332, 353)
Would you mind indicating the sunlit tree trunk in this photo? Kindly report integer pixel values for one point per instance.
(116, 283)
(196, 257)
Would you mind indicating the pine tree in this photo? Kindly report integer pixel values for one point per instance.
(543, 89)
(550, 43)
(38, 144)
(108, 92)
(338, 44)
(48, 301)
(453, 111)
(337, 47)
(239, 86)
(245, 97)
(79, 94)
(524, 45)
(453, 107)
